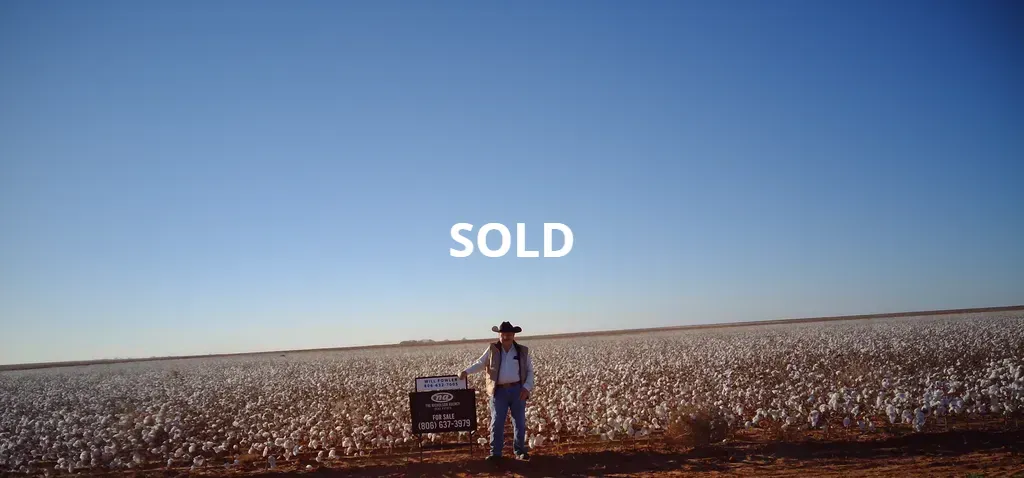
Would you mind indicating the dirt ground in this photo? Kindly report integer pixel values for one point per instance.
(989, 452)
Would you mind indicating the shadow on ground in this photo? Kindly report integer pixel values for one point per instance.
(663, 458)
(594, 463)
(929, 444)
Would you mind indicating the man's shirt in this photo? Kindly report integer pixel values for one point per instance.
(509, 370)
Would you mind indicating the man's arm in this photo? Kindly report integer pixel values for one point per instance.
(478, 366)
(528, 385)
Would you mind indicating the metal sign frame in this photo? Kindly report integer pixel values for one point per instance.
(443, 410)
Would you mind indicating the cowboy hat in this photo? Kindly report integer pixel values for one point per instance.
(507, 327)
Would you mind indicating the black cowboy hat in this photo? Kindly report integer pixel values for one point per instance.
(507, 327)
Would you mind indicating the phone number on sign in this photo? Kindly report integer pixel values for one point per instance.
(444, 424)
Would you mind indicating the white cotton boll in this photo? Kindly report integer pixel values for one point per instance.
(919, 421)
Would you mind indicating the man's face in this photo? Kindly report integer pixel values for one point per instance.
(507, 337)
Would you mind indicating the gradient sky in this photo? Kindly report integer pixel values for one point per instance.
(202, 177)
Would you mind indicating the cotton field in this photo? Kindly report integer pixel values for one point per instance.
(263, 410)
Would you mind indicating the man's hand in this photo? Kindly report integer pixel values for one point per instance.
(462, 375)
(524, 393)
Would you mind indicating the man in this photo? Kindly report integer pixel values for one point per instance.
(509, 384)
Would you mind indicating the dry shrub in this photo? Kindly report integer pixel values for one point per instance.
(778, 431)
(249, 458)
(695, 427)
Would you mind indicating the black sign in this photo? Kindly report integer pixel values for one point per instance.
(443, 411)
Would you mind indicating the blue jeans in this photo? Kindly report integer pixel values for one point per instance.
(506, 399)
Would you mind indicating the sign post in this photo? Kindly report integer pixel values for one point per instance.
(442, 404)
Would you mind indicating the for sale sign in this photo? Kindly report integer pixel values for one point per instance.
(441, 382)
(443, 411)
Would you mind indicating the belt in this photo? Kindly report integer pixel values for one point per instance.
(506, 385)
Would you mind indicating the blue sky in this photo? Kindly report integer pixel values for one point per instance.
(196, 177)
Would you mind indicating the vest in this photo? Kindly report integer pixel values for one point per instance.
(493, 365)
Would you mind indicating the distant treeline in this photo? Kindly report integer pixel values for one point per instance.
(431, 341)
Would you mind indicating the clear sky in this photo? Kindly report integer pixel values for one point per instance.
(203, 177)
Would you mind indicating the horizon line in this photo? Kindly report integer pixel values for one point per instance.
(431, 342)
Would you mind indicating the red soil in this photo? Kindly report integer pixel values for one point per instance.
(991, 450)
